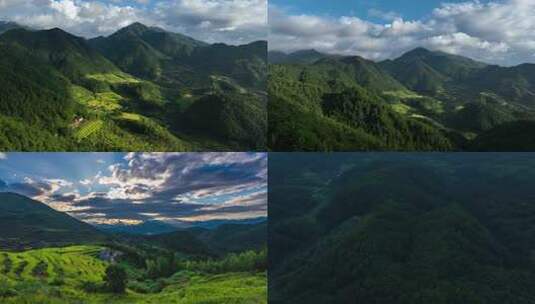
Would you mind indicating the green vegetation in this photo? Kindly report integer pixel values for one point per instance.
(88, 128)
(423, 101)
(26, 223)
(64, 93)
(49, 257)
(76, 274)
(115, 279)
(119, 78)
(451, 228)
(309, 111)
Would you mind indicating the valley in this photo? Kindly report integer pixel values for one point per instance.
(47, 256)
(422, 101)
(139, 89)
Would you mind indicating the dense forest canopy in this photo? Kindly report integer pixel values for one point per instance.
(401, 228)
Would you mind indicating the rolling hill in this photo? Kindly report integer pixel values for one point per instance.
(450, 98)
(130, 91)
(26, 223)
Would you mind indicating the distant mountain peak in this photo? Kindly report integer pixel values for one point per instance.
(419, 51)
(355, 59)
(57, 31)
(136, 28)
(9, 25)
(308, 51)
(301, 56)
(137, 25)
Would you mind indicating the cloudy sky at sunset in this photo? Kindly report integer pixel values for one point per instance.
(132, 188)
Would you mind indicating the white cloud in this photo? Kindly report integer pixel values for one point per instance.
(229, 21)
(216, 20)
(66, 8)
(499, 32)
(3, 155)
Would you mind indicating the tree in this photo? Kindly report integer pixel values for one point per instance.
(115, 279)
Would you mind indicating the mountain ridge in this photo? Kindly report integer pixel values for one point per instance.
(29, 223)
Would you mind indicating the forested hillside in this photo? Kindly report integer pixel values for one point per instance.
(375, 228)
(424, 101)
(140, 89)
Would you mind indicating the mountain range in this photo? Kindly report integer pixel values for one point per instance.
(423, 100)
(141, 88)
(27, 223)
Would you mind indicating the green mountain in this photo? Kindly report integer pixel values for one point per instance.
(26, 223)
(448, 230)
(434, 101)
(342, 104)
(72, 55)
(32, 91)
(150, 227)
(144, 51)
(172, 59)
(512, 136)
(6, 26)
(303, 56)
(131, 91)
(181, 241)
(515, 84)
(426, 71)
(234, 237)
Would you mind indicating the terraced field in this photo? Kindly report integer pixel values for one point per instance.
(57, 275)
(113, 78)
(51, 263)
(88, 128)
(81, 94)
(100, 103)
(106, 102)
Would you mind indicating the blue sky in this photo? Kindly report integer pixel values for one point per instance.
(112, 188)
(493, 31)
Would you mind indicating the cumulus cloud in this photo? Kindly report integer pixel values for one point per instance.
(216, 20)
(229, 21)
(500, 32)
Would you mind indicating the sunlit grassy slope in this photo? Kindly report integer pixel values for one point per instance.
(56, 275)
(113, 78)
